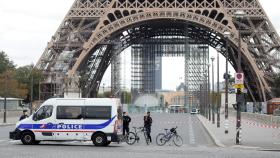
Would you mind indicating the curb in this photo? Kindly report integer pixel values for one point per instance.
(6, 124)
(212, 136)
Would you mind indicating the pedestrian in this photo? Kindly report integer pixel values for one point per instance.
(24, 115)
(147, 124)
(126, 121)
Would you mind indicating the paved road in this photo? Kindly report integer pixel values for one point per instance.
(189, 127)
(196, 144)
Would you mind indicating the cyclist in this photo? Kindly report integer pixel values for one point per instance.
(147, 124)
(126, 121)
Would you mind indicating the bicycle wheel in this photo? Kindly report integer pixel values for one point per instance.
(130, 138)
(177, 140)
(160, 139)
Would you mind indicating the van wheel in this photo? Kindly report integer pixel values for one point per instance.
(27, 138)
(99, 139)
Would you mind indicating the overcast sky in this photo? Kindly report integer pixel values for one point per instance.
(27, 25)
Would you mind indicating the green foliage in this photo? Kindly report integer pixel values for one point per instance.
(5, 63)
(28, 75)
(125, 96)
(10, 87)
(105, 95)
(16, 82)
(231, 80)
(276, 86)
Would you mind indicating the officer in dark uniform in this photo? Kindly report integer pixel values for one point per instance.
(126, 121)
(24, 115)
(147, 124)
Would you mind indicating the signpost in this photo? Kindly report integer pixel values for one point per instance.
(239, 78)
(239, 85)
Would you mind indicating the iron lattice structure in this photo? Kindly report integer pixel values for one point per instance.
(196, 68)
(93, 30)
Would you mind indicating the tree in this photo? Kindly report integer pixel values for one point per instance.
(10, 87)
(5, 63)
(24, 76)
(276, 86)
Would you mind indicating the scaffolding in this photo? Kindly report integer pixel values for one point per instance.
(147, 62)
(196, 62)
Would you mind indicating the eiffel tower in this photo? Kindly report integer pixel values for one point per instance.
(94, 32)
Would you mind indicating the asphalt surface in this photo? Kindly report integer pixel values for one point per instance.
(197, 143)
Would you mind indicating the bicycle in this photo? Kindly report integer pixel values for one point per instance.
(132, 137)
(162, 138)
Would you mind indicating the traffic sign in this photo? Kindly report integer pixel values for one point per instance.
(241, 86)
(239, 78)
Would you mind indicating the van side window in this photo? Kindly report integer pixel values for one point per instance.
(69, 112)
(98, 112)
(44, 112)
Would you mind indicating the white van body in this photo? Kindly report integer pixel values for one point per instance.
(62, 119)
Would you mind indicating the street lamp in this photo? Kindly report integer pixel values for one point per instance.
(239, 14)
(5, 98)
(104, 89)
(205, 95)
(218, 90)
(213, 114)
(31, 88)
(208, 91)
(227, 36)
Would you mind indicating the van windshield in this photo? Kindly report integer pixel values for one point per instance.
(43, 113)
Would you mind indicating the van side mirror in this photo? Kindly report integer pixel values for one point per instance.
(34, 117)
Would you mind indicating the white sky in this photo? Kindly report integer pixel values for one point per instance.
(27, 25)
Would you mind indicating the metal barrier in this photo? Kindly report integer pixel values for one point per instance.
(260, 118)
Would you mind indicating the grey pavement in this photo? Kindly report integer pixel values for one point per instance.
(9, 121)
(197, 144)
(254, 135)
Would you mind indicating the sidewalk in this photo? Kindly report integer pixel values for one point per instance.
(10, 121)
(254, 136)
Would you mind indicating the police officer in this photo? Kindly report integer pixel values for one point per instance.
(126, 121)
(24, 115)
(147, 124)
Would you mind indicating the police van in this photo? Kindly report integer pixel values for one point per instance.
(64, 119)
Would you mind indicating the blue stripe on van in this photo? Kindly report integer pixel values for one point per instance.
(66, 126)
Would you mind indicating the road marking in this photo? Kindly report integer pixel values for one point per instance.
(191, 133)
(73, 142)
(14, 141)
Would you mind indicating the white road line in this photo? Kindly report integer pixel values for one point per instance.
(74, 141)
(191, 133)
(14, 141)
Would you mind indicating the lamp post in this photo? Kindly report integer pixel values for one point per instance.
(239, 15)
(5, 98)
(104, 89)
(226, 124)
(31, 88)
(208, 92)
(218, 91)
(213, 106)
(205, 96)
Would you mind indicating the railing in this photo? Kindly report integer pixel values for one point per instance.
(260, 118)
